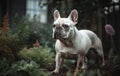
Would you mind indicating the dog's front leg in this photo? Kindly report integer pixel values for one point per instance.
(58, 60)
(79, 64)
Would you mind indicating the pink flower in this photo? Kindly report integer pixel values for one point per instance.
(109, 30)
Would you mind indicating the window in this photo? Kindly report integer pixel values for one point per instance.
(34, 9)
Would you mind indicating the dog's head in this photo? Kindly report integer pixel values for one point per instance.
(63, 28)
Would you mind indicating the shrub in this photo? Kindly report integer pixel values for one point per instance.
(15, 38)
(23, 68)
(43, 56)
(42, 32)
(4, 66)
(7, 52)
(20, 32)
(28, 31)
(23, 65)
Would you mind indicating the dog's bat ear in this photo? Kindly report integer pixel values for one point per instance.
(74, 16)
(56, 15)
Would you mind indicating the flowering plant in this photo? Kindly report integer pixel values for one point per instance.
(109, 30)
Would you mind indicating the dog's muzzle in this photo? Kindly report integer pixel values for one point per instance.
(57, 34)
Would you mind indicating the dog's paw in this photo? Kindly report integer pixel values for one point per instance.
(55, 72)
(84, 67)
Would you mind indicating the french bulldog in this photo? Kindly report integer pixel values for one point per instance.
(73, 43)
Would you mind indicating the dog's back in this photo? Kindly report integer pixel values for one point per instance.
(90, 34)
(93, 37)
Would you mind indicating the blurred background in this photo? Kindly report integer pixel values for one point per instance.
(26, 26)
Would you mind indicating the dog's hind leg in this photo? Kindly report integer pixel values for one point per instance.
(97, 45)
(101, 59)
(99, 51)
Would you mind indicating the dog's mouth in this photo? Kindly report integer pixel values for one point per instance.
(59, 37)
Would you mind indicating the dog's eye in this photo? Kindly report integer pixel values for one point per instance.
(53, 26)
(65, 26)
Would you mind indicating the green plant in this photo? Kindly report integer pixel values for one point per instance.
(28, 31)
(24, 68)
(43, 56)
(23, 65)
(16, 37)
(21, 31)
(24, 33)
(4, 66)
(42, 32)
(7, 52)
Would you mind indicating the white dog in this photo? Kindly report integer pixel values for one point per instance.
(72, 42)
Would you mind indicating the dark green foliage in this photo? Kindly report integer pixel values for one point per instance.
(4, 66)
(21, 31)
(28, 31)
(24, 34)
(42, 32)
(43, 56)
(23, 65)
(23, 68)
(16, 37)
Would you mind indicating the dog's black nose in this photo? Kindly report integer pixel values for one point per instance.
(56, 34)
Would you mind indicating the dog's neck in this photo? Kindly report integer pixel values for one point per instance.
(66, 42)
